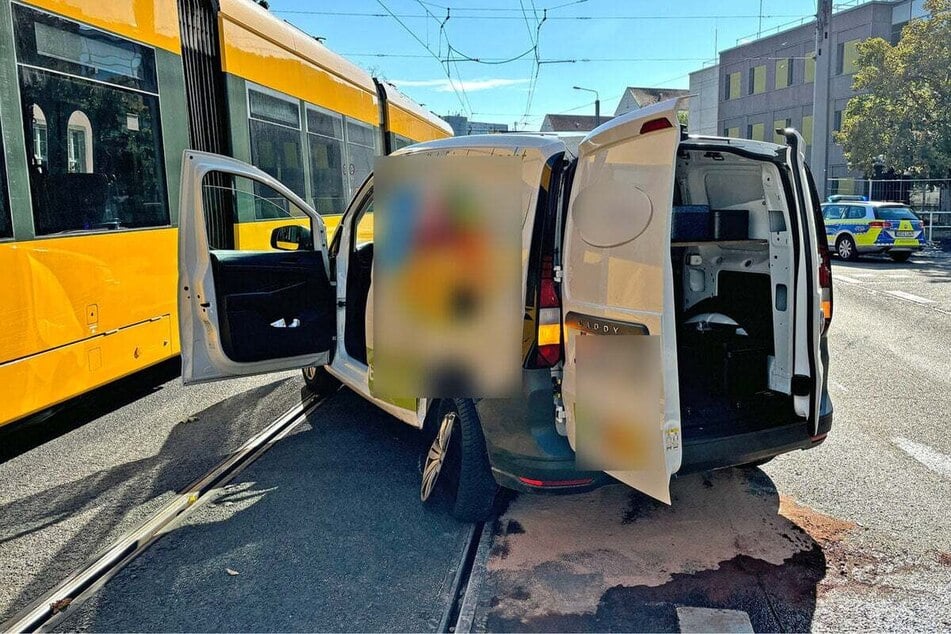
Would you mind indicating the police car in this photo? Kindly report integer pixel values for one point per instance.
(857, 226)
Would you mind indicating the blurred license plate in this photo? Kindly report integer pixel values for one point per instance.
(905, 234)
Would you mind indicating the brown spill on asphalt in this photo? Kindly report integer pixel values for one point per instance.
(614, 559)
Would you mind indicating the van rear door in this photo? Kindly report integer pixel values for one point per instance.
(810, 320)
(620, 385)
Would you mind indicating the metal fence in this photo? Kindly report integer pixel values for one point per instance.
(930, 199)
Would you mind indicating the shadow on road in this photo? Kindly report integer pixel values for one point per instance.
(614, 560)
(324, 533)
(112, 496)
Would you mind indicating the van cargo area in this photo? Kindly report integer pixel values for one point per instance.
(732, 255)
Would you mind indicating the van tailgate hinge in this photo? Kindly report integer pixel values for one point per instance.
(558, 273)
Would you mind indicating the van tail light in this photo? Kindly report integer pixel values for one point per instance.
(548, 336)
(825, 282)
(656, 124)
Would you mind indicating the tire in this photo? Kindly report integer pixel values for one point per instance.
(319, 381)
(901, 256)
(455, 468)
(845, 248)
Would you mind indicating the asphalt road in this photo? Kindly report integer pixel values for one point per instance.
(74, 483)
(325, 531)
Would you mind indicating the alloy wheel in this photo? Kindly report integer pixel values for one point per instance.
(436, 456)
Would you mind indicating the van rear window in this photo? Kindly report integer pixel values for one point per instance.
(894, 213)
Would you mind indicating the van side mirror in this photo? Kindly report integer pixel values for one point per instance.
(292, 238)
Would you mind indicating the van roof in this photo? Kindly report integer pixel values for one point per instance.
(508, 141)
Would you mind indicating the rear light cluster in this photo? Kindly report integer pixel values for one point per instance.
(548, 338)
(825, 282)
(880, 224)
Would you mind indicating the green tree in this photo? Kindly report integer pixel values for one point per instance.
(904, 113)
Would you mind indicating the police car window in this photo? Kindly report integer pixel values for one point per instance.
(895, 213)
(856, 213)
(833, 212)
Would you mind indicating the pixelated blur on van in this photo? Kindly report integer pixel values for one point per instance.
(672, 295)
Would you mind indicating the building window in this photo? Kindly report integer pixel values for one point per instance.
(807, 129)
(836, 120)
(732, 86)
(809, 74)
(848, 57)
(783, 73)
(733, 133)
(756, 131)
(96, 158)
(325, 141)
(780, 124)
(757, 80)
(275, 143)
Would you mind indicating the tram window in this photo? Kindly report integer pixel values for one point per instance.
(325, 140)
(275, 138)
(6, 224)
(65, 46)
(97, 161)
(398, 141)
(361, 149)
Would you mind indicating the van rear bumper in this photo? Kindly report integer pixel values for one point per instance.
(559, 476)
(742, 449)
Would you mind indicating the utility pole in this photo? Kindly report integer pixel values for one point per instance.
(820, 109)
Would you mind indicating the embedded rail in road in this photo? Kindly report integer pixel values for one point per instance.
(48, 609)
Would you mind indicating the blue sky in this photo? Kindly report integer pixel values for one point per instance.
(633, 43)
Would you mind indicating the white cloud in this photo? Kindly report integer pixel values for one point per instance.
(471, 85)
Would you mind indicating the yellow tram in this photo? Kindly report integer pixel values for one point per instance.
(97, 102)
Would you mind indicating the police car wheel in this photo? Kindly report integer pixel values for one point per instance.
(845, 248)
(901, 256)
(319, 381)
(454, 468)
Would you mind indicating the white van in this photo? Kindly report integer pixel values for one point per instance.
(711, 250)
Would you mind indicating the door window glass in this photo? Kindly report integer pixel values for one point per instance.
(241, 202)
(361, 148)
(6, 224)
(276, 138)
(856, 213)
(94, 147)
(325, 141)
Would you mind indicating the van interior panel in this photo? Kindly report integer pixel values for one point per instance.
(732, 263)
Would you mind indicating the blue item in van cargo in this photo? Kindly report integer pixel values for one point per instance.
(689, 223)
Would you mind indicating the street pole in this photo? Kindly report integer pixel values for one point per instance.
(819, 161)
(597, 104)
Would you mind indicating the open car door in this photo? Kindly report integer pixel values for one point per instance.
(808, 378)
(620, 384)
(255, 292)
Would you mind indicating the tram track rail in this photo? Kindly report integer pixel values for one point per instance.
(55, 605)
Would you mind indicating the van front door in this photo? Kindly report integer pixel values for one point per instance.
(252, 309)
(620, 385)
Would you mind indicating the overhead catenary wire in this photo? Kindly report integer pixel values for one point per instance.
(429, 50)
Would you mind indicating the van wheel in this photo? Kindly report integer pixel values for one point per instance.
(455, 467)
(901, 256)
(319, 381)
(846, 249)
